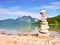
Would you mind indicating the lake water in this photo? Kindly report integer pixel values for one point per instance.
(55, 28)
(28, 28)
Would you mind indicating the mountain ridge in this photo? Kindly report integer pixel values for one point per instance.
(19, 20)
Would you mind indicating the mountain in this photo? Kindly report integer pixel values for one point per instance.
(25, 19)
(19, 20)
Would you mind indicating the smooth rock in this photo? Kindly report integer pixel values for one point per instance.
(46, 34)
(44, 31)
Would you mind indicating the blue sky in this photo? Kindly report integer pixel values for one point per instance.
(19, 8)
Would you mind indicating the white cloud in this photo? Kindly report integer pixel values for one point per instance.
(52, 5)
(45, 7)
(52, 9)
(15, 11)
(56, 3)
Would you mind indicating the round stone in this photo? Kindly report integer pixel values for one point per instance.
(44, 31)
(43, 11)
(44, 27)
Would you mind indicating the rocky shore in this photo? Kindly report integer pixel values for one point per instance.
(28, 39)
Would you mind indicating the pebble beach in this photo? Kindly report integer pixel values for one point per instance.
(28, 39)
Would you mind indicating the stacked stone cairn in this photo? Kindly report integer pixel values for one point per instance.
(44, 24)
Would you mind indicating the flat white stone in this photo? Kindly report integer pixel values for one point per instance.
(40, 34)
(44, 31)
(43, 11)
(44, 27)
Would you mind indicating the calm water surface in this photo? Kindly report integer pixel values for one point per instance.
(55, 28)
(29, 28)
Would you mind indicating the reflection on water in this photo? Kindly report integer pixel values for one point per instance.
(55, 28)
(29, 28)
(19, 28)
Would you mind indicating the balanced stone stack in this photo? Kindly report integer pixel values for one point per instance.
(44, 24)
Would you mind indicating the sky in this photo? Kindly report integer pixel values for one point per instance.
(12, 9)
